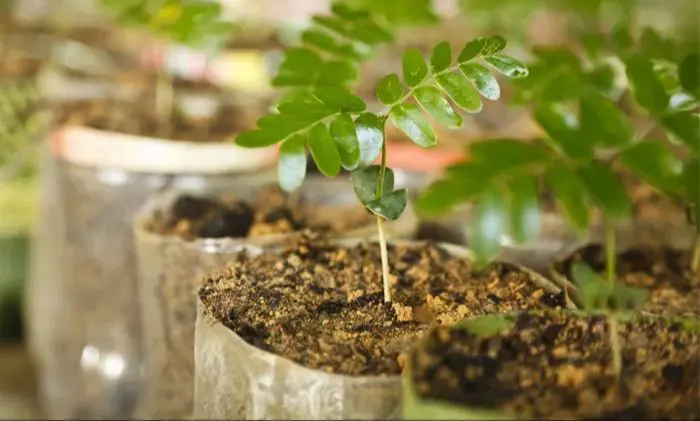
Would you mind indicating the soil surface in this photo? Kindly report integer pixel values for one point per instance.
(558, 366)
(666, 273)
(272, 212)
(140, 119)
(322, 305)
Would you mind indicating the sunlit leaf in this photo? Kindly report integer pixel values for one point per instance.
(506, 65)
(482, 79)
(337, 73)
(410, 120)
(291, 165)
(481, 47)
(257, 139)
(324, 151)
(435, 104)
(458, 88)
(370, 134)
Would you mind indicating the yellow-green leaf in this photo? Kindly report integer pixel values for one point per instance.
(507, 65)
(441, 57)
(342, 128)
(389, 90)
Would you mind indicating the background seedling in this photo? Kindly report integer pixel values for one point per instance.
(192, 23)
(341, 133)
(582, 151)
(610, 297)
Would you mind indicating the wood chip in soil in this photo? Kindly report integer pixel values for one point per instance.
(665, 273)
(554, 365)
(272, 212)
(322, 305)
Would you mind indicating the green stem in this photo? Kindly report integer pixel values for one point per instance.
(610, 254)
(613, 326)
(380, 228)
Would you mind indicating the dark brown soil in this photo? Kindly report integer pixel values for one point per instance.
(272, 212)
(666, 273)
(322, 305)
(140, 119)
(558, 366)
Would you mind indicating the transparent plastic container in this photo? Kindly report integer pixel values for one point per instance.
(170, 270)
(82, 310)
(235, 380)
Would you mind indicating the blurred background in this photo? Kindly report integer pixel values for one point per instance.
(69, 61)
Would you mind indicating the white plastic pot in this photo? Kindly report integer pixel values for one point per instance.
(170, 271)
(83, 324)
(235, 380)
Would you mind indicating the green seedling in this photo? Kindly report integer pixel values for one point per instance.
(580, 155)
(196, 24)
(340, 133)
(611, 298)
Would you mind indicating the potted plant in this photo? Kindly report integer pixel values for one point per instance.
(253, 317)
(182, 237)
(106, 157)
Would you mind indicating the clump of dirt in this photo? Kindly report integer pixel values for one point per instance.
(272, 212)
(322, 306)
(665, 272)
(551, 365)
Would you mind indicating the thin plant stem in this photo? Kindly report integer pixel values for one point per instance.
(385, 260)
(613, 326)
(610, 264)
(610, 254)
(380, 229)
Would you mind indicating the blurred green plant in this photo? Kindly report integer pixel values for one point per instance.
(610, 297)
(193, 23)
(20, 119)
(579, 156)
(339, 131)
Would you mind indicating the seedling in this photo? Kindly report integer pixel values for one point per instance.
(612, 299)
(196, 24)
(341, 133)
(504, 175)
